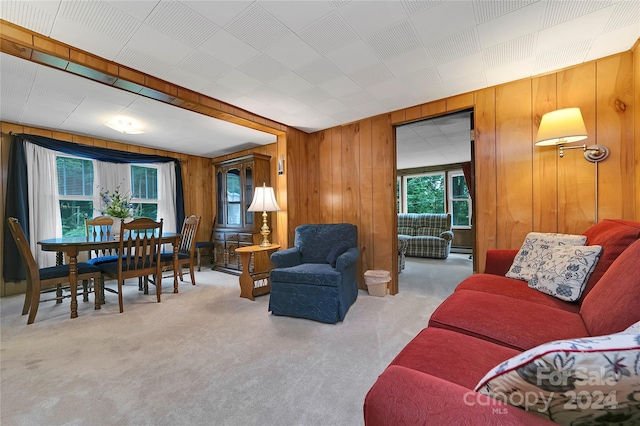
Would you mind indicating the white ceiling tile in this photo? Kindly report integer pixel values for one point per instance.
(387, 89)
(615, 41)
(154, 43)
(111, 95)
(35, 16)
(292, 52)
(511, 51)
(221, 92)
(257, 27)
(353, 57)
(474, 81)
(331, 106)
(347, 116)
(625, 13)
(561, 56)
(415, 6)
(583, 28)
(291, 84)
(239, 81)
(297, 14)
(511, 71)
(205, 66)
(228, 48)
(372, 75)
(85, 38)
(290, 105)
(186, 79)
(402, 100)
(138, 9)
(357, 98)
(370, 109)
(369, 17)
(313, 96)
(513, 25)
(328, 33)
(101, 18)
(219, 12)
(558, 12)
(179, 22)
(444, 19)
(489, 10)
(395, 40)
(460, 67)
(409, 62)
(263, 68)
(455, 46)
(340, 86)
(139, 60)
(319, 71)
(266, 94)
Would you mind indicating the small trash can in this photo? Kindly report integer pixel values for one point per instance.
(376, 281)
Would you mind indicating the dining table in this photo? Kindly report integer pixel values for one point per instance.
(71, 246)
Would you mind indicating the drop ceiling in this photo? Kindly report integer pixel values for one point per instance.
(307, 64)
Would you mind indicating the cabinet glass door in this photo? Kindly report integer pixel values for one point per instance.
(248, 193)
(234, 198)
(220, 197)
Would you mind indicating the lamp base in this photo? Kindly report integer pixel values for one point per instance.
(265, 231)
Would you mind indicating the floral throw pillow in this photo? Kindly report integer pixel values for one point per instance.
(564, 272)
(536, 245)
(585, 381)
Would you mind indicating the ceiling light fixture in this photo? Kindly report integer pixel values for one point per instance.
(124, 125)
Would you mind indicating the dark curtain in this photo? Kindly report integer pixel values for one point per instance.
(16, 203)
(468, 178)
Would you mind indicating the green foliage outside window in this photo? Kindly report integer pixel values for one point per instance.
(425, 194)
(459, 201)
(75, 179)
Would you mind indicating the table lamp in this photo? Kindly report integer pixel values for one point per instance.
(264, 200)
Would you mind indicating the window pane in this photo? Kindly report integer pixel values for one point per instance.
(75, 176)
(144, 182)
(460, 212)
(425, 194)
(145, 210)
(73, 214)
(459, 187)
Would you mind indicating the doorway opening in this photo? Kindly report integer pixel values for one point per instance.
(434, 164)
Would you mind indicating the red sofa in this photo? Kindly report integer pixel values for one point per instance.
(490, 318)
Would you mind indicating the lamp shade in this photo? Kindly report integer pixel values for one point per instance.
(560, 127)
(264, 200)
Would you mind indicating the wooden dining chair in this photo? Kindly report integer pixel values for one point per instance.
(40, 280)
(186, 249)
(206, 245)
(138, 256)
(99, 229)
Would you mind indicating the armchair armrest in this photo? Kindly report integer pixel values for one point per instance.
(499, 261)
(286, 258)
(405, 396)
(447, 235)
(347, 258)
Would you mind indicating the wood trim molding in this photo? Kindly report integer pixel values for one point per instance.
(25, 44)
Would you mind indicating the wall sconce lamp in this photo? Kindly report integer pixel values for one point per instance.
(264, 200)
(565, 126)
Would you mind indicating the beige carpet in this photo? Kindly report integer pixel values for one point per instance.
(206, 356)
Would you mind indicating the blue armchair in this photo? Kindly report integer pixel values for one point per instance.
(316, 279)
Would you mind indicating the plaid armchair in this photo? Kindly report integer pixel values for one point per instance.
(428, 234)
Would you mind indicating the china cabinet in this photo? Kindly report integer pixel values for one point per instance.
(235, 182)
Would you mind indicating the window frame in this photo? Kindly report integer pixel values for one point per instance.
(155, 201)
(450, 199)
(404, 186)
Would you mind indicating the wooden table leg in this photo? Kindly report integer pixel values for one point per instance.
(175, 265)
(246, 282)
(73, 282)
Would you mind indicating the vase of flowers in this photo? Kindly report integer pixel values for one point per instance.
(118, 206)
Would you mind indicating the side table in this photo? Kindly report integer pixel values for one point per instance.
(255, 283)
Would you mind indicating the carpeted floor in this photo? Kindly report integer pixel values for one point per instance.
(206, 356)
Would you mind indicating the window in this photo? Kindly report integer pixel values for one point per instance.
(144, 191)
(75, 190)
(459, 200)
(424, 193)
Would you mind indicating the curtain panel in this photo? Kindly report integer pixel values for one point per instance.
(17, 201)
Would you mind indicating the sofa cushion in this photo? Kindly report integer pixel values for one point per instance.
(513, 288)
(565, 271)
(614, 302)
(445, 354)
(614, 236)
(590, 381)
(321, 274)
(520, 325)
(533, 250)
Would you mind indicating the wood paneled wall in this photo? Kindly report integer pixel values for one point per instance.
(350, 170)
(197, 175)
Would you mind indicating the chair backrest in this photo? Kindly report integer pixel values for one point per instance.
(189, 232)
(99, 229)
(140, 242)
(316, 241)
(33, 272)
